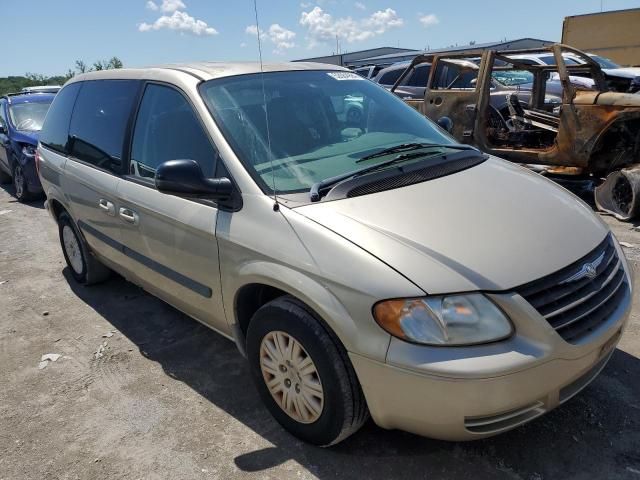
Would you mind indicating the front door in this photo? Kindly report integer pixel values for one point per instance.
(452, 92)
(171, 241)
(4, 138)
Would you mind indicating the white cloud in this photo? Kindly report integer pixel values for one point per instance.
(169, 6)
(383, 20)
(360, 6)
(429, 20)
(180, 21)
(243, 44)
(278, 35)
(152, 5)
(305, 4)
(322, 27)
(252, 30)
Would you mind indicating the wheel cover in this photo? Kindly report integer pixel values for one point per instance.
(72, 249)
(18, 181)
(291, 377)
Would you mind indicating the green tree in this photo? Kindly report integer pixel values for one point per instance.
(81, 67)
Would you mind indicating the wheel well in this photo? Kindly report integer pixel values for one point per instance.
(56, 208)
(617, 147)
(250, 298)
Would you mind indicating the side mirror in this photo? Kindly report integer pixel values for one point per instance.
(184, 178)
(3, 130)
(445, 123)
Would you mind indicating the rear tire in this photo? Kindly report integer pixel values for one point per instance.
(84, 267)
(324, 398)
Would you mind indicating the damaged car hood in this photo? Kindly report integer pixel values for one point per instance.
(492, 227)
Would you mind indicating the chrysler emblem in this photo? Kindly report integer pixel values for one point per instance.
(588, 270)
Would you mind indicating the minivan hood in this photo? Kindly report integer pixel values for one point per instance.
(492, 227)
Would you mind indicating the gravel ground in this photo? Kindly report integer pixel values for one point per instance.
(142, 391)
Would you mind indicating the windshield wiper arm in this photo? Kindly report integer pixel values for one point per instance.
(404, 147)
(327, 182)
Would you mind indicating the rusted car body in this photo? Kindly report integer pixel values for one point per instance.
(592, 131)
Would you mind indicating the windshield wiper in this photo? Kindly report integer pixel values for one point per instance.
(404, 147)
(327, 182)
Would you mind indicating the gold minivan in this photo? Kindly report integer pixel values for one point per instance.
(363, 261)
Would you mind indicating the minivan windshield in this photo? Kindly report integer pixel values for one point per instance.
(320, 123)
(28, 116)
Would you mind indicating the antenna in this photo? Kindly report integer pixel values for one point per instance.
(276, 206)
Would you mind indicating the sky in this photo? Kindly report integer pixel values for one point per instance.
(41, 36)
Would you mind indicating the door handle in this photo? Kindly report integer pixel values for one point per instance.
(129, 216)
(108, 207)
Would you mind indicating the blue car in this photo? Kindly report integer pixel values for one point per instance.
(21, 118)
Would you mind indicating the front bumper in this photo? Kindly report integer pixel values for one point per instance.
(475, 392)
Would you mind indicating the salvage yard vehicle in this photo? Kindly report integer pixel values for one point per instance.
(339, 262)
(593, 132)
(21, 118)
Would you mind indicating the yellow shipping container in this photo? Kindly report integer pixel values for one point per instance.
(614, 34)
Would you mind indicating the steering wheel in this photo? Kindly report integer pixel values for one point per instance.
(25, 124)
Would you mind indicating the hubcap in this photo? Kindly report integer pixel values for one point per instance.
(72, 248)
(291, 377)
(18, 180)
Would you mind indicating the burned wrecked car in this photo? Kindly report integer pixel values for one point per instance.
(539, 114)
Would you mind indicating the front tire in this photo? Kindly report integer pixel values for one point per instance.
(84, 267)
(303, 373)
(20, 184)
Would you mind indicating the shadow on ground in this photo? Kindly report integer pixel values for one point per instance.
(595, 435)
(35, 203)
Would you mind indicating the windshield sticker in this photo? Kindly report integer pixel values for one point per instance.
(345, 76)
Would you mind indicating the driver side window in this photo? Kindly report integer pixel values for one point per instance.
(167, 128)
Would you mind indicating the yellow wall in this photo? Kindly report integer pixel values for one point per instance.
(615, 35)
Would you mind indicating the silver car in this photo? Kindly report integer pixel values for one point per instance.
(372, 268)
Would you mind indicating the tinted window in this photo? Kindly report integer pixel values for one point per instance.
(455, 77)
(390, 78)
(168, 129)
(100, 120)
(605, 62)
(55, 131)
(419, 76)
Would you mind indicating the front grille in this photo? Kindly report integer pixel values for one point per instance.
(575, 304)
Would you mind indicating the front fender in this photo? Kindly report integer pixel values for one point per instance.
(336, 278)
(315, 295)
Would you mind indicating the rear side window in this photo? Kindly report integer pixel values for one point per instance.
(419, 76)
(99, 122)
(55, 131)
(390, 78)
(167, 128)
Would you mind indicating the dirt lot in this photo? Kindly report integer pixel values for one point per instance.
(141, 391)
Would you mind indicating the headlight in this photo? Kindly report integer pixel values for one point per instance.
(28, 150)
(446, 320)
